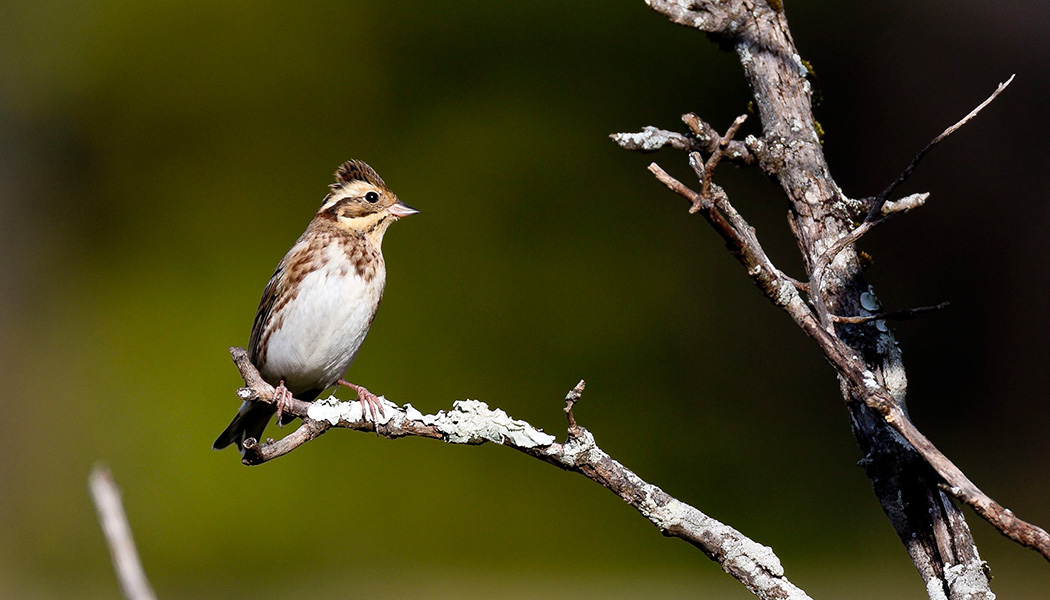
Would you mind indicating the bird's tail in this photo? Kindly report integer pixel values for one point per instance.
(250, 422)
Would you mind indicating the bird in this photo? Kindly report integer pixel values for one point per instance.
(321, 300)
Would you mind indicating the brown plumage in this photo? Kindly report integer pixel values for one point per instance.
(317, 307)
(357, 170)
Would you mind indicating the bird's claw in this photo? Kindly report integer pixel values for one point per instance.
(282, 397)
(371, 405)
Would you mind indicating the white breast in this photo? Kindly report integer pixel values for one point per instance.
(324, 326)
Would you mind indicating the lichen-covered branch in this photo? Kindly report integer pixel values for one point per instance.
(473, 422)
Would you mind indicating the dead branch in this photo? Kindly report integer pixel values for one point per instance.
(114, 522)
(745, 247)
(909, 474)
(472, 422)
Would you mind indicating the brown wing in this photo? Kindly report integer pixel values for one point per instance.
(262, 315)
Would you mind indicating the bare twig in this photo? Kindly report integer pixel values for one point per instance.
(472, 422)
(571, 399)
(876, 206)
(897, 315)
(876, 216)
(708, 139)
(651, 139)
(115, 526)
(256, 453)
(904, 205)
(716, 156)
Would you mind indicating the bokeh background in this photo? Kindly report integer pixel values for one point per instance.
(157, 160)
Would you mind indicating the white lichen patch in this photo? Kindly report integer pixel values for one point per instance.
(740, 551)
(894, 376)
(935, 589)
(473, 421)
(968, 578)
(666, 516)
(334, 410)
(905, 204)
(745, 54)
(801, 65)
(786, 294)
(468, 421)
(412, 414)
(744, 551)
(581, 449)
(648, 140)
(871, 383)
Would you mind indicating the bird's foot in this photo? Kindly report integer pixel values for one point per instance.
(371, 405)
(281, 397)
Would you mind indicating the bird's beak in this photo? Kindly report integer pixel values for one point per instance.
(400, 209)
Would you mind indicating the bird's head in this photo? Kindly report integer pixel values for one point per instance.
(360, 201)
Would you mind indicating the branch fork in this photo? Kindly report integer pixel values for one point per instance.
(743, 244)
(817, 320)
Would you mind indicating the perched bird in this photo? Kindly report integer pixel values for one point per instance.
(321, 300)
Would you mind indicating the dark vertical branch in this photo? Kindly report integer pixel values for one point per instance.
(906, 470)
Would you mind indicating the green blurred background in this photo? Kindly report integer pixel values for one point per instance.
(157, 160)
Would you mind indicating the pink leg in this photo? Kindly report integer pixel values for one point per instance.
(281, 396)
(370, 404)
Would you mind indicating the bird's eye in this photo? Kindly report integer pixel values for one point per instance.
(372, 197)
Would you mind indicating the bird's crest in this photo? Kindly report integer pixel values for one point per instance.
(356, 170)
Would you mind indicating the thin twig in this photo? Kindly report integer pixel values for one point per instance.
(876, 207)
(114, 522)
(651, 139)
(904, 205)
(897, 315)
(707, 139)
(875, 217)
(472, 422)
(716, 156)
(571, 399)
(698, 202)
